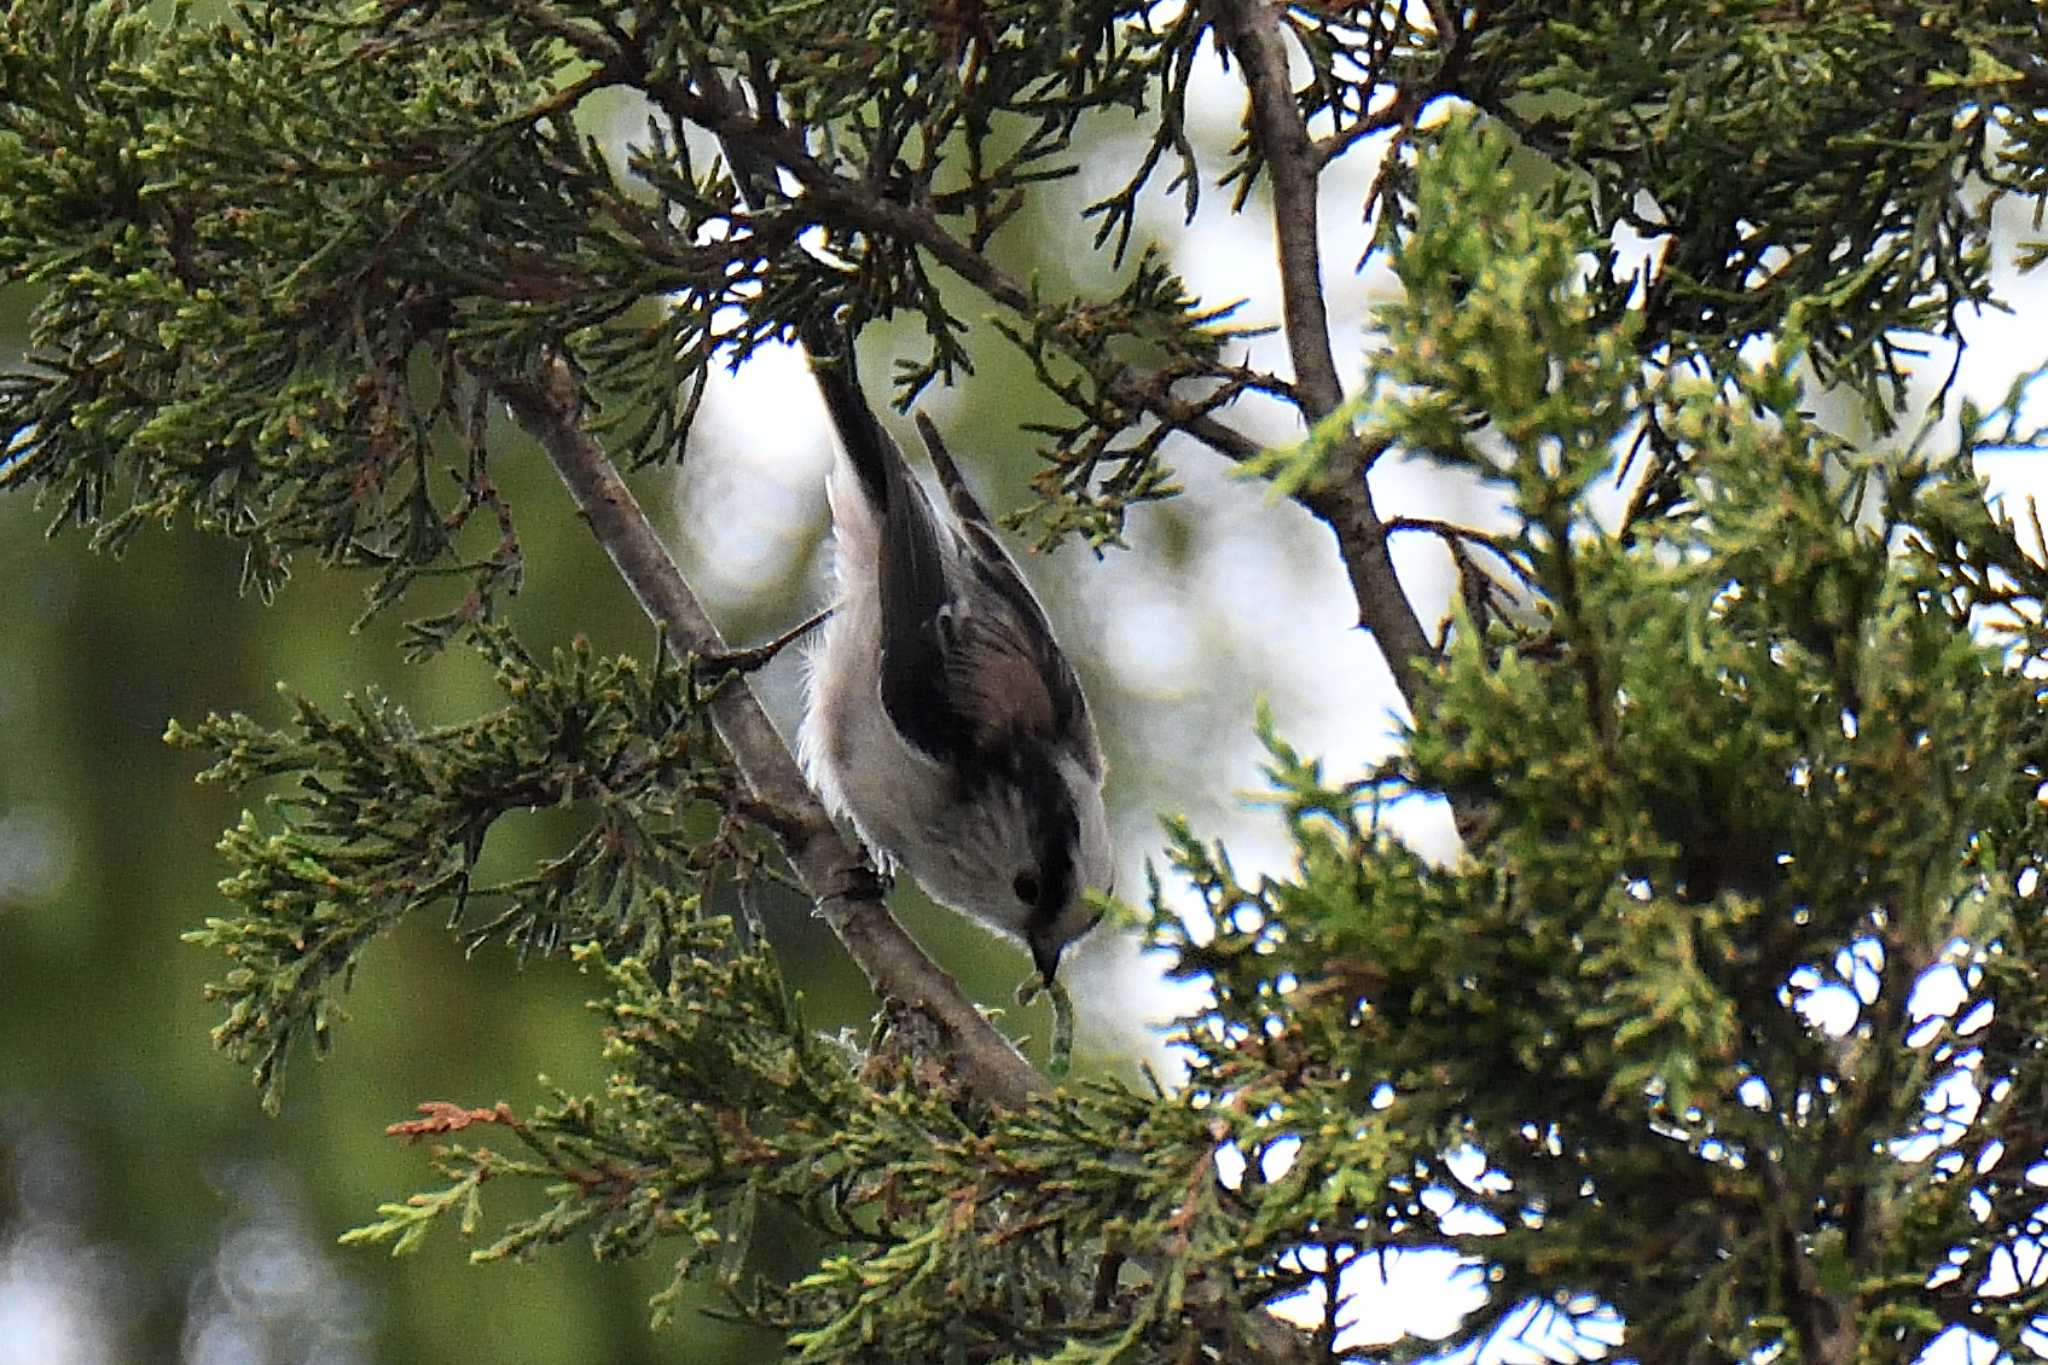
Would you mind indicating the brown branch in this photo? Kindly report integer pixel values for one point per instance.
(548, 404)
(1398, 114)
(1450, 532)
(1250, 30)
(1345, 503)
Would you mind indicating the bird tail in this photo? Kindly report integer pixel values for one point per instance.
(828, 345)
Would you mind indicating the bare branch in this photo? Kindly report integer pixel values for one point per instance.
(1345, 503)
(1450, 531)
(1396, 115)
(548, 404)
(1250, 29)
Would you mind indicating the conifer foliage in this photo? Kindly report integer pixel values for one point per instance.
(1746, 763)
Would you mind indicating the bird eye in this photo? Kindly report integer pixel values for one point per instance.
(1026, 888)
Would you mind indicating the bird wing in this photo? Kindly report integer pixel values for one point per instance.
(969, 663)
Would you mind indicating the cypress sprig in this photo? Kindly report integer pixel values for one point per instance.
(385, 818)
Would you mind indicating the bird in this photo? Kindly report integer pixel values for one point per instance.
(941, 717)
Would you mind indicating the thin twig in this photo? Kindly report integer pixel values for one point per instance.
(548, 404)
(1451, 531)
(1398, 114)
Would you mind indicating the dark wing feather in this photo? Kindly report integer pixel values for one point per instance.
(953, 682)
(1028, 683)
(965, 505)
(967, 667)
(872, 451)
(920, 620)
(970, 667)
(923, 654)
(918, 609)
(1020, 638)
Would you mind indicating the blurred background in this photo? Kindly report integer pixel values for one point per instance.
(149, 1211)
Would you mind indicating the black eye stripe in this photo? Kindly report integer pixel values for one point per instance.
(1025, 887)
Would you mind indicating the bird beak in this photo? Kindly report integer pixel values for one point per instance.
(1046, 957)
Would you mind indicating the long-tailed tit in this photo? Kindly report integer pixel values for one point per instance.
(941, 716)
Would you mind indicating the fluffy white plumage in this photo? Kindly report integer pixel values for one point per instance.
(954, 734)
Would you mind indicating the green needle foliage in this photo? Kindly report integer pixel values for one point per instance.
(1740, 767)
(386, 818)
